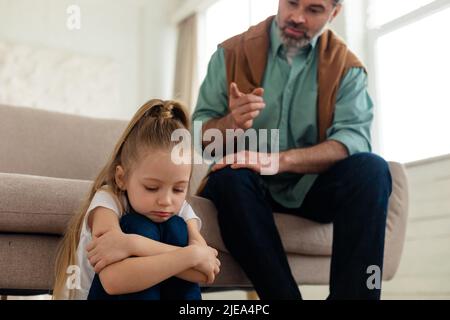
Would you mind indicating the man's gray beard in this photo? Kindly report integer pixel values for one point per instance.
(291, 43)
(297, 44)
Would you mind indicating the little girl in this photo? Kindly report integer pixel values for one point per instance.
(155, 251)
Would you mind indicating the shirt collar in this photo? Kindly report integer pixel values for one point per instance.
(277, 45)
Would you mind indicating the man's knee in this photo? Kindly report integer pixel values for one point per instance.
(372, 168)
(134, 223)
(229, 179)
(175, 232)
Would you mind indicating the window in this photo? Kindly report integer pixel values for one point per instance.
(227, 18)
(383, 11)
(411, 67)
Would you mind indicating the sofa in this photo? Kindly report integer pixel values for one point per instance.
(47, 163)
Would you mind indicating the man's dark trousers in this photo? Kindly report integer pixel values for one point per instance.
(353, 195)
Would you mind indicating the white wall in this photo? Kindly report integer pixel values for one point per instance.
(135, 35)
(160, 34)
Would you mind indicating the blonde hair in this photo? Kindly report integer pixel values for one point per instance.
(150, 127)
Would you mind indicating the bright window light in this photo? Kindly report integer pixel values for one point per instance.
(227, 18)
(224, 19)
(383, 11)
(413, 69)
(261, 9)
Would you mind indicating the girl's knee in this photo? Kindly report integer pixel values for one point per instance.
(133, 223)
(175, 232)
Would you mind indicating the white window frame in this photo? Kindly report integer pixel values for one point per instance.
(373, 34)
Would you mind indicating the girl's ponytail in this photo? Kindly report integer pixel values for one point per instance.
(168, 110)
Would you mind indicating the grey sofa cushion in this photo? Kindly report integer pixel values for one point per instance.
(37, 147)
(27, 261)
(52, 144)
(298, 235)
(31, 204)
(43, 205)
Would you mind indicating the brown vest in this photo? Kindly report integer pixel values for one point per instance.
(246, 58)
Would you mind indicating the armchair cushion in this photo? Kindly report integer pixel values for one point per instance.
(39, 205)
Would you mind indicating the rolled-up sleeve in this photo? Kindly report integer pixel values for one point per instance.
(212, 101)
(353, 114)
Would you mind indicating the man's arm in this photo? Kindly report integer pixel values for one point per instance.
(349, 133)
(221, 124)
(212, 102)
(222, 107)
(313, 160)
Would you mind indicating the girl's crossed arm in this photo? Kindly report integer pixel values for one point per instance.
(140, 273)
(194, 233)
(115, 246)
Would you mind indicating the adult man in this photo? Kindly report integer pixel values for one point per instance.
(292, 74)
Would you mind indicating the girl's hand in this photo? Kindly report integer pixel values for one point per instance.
(208, 264)
(108, 248)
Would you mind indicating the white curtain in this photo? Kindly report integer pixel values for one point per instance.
(186, 79)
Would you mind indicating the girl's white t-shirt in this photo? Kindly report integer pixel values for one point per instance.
(86, 272)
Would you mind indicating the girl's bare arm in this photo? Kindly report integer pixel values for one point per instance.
(105, 223)
(194, 234)
(137, 274)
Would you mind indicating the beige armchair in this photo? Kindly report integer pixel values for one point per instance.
(47, 162)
